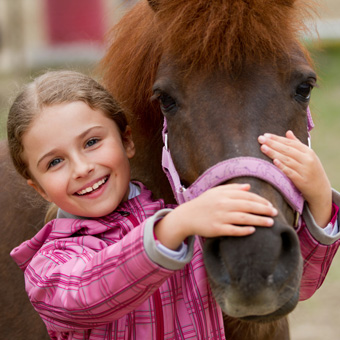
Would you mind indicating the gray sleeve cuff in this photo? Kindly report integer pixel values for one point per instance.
(314, 229)
(155, 254)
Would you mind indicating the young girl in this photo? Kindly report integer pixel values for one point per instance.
(122, 265)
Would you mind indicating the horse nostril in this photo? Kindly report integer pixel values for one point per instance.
(290, 248)
(287, 243)
(212, 255)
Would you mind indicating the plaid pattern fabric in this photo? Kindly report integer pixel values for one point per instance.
(317, 259)
(92, 279)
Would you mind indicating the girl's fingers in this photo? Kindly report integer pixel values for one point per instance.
(292, 162)
(290, 135)
(237, 229)
(231, 230)
(290, 142)
(228, 191)
(272, 148)
(290, 168)
(289, 156)
(247, 219)
(245, 206)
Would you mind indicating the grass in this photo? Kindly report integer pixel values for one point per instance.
(316, 318)
(326, 110)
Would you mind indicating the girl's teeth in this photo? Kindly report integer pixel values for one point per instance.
(94, 187)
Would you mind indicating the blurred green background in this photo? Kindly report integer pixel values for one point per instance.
(316, 318)
(325, 106)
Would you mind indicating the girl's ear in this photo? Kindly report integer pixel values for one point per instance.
(128, 143)
(38, 189)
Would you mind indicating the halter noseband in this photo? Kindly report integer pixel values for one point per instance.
(232, 168)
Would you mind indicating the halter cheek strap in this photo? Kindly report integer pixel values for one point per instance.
(310, 123)
(232, 168)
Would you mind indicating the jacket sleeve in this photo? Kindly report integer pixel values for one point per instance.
(158, 256)
(318, 251)
(73, 286)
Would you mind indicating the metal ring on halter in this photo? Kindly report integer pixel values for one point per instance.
(165, 137)
(296, 220)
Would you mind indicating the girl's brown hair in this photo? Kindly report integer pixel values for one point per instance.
(52, 88)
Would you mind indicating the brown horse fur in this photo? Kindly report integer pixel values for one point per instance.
(259, 30)
(199, 36)
(22, 215)
(239, 330)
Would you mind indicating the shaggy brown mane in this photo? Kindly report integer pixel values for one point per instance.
(130, 65)
(227, 33)
(200, 33)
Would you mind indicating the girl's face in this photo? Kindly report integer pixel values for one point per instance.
(78, 159)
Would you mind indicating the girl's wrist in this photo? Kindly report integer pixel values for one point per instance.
(169, 232)
(321, 212)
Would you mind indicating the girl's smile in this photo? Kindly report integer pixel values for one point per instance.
(78, 159)
(92, 188)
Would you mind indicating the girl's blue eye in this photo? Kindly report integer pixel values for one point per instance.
(54, 162)
(91, 142)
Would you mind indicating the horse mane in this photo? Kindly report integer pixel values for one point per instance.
(200, 34)
(130, 65)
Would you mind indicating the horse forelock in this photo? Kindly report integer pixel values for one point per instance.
(229, 33)
(201, 35)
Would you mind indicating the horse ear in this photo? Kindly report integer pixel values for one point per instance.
(154, 4)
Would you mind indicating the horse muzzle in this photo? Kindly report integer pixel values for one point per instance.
(257, 277)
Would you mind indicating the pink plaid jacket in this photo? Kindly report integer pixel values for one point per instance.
(106, 278)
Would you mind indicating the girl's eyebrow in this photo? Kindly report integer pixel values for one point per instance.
(82, 135)
(47, 155)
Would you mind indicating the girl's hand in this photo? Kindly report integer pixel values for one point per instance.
(303, 167)
(226, 210)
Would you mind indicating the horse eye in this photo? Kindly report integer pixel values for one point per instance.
(303, 91)
(166, 102)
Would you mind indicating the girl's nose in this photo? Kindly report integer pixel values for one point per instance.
(82, 167)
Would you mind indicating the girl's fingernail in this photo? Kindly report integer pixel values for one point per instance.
(275, 212)
(267, 135)
(270, 221)
(261, 139)
(264, 148)
(276, 162)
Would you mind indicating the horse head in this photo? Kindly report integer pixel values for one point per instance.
(221, 73)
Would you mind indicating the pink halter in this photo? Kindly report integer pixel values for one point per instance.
(232, 168)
